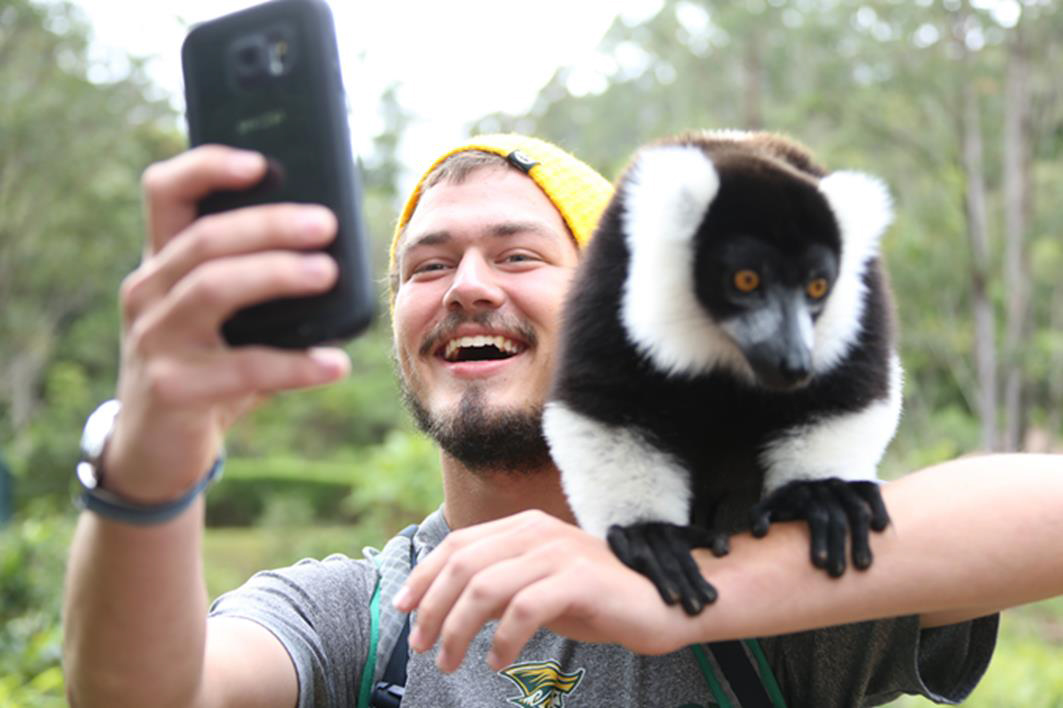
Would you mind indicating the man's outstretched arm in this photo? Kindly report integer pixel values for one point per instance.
(135, 628)
(968, 538)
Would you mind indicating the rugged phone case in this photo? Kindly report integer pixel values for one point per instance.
(268, 79)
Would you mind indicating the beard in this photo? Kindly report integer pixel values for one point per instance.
(484, 440)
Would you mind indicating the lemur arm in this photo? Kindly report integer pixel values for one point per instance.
(825, 473)
(624, 489)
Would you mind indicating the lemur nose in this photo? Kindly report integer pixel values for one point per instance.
(795, 369)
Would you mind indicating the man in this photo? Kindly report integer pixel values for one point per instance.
(482, 260)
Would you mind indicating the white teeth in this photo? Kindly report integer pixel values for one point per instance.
(498, 341)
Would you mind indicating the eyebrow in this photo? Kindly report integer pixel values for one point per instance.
(498, 230)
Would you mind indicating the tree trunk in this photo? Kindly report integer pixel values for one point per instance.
(978, 235)
(752, 70)
(1017, 204)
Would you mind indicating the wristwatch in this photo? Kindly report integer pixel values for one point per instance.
(90, 476)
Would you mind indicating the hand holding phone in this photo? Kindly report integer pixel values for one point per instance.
(268, 79)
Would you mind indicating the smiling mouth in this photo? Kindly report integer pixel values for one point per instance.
(481, 348)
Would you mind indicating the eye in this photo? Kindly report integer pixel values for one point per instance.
(817, 288)
(746, 281)
(427, 268)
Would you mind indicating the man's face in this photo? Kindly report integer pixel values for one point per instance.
(483, 271)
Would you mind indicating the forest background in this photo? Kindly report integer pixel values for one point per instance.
(958, 106)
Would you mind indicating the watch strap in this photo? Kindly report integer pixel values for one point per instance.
(113, 507)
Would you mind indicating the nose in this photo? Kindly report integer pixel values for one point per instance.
(475, 285)
(796, 366)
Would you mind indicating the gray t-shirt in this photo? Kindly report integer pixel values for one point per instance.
(320, 611)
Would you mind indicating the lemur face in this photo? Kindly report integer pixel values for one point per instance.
(767, 301)
(766, 261)
(737, 261)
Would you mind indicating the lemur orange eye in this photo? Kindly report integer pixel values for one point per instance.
(746, 280)
(817, 288)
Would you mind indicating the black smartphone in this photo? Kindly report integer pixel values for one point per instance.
(268, 79)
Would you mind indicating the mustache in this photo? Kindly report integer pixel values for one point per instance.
(488, 320)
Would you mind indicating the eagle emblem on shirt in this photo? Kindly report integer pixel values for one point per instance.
(542, 683)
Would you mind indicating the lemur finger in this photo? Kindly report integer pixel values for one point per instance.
(718, 543)
(818, 520)
(701, 591)
(859, 514)
(781, 505)
(837, 531)
(696, 592)
(632, 548)
(668, 549)
(871, 492)
(760, 520)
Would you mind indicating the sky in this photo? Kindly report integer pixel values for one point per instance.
(455, 61)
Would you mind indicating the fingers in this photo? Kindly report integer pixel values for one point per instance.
(242, 231)
(837, 532)
(247, 371)
(534, 606)
(486, 596)
(634, 552)
(859, 517)
(871, 493)
(193, 312)
(173, 188)
(661, 552)
(427, 571)
(454, 579)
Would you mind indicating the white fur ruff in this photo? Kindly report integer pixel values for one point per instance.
(666, 196)
(862, 207)
(846, 446)
(611, 475)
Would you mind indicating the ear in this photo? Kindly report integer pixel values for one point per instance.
(666, 194)
(863, 208)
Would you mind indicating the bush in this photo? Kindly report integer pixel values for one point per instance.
(32, 557)
(381, 486)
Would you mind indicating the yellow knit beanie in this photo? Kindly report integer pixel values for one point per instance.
(578, 192)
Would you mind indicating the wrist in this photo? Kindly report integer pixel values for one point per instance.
(99, 493)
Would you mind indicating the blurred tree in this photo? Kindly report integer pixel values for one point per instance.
(71, 152)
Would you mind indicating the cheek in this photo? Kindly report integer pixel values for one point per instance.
(408, 319)
(544, 299)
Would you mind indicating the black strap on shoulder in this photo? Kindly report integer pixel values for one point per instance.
(389, 691)
(735, 665)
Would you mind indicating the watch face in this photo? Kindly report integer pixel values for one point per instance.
(97, 429)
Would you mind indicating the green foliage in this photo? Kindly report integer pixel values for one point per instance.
(384, 486)
(71, 153)
(32, 555)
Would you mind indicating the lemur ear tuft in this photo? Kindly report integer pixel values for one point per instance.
(863, 208)
(667, 192)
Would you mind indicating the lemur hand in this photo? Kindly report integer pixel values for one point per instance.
(832, 507)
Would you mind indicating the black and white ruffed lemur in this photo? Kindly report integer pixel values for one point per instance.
(728, 359)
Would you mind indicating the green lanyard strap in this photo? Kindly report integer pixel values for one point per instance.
(749, 697)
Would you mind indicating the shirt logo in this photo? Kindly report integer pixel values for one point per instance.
(542, 683)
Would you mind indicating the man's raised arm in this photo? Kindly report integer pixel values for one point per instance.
(135, 628)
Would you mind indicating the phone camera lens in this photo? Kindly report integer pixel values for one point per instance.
(249, 56)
